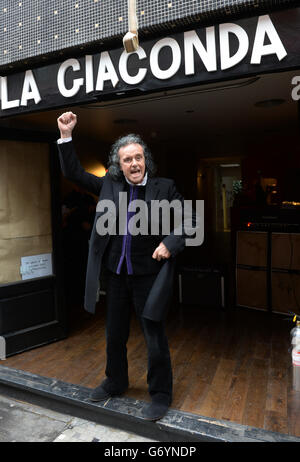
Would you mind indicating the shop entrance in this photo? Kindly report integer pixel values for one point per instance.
(237, 148)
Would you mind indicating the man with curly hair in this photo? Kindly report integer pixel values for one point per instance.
(134, 264)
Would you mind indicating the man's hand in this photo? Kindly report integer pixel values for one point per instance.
(161, 252)
(66, 123)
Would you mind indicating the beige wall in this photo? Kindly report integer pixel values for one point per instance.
(25, 205)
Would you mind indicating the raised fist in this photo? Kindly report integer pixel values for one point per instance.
(66, 123)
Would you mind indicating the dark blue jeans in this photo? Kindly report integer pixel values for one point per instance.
(123, 291)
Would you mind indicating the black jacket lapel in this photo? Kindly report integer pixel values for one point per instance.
(117, 187)
(152, 189)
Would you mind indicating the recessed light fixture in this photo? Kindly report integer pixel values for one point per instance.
(125, 121)
(269, 102)
(229, 165)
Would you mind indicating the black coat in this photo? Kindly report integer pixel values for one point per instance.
(106, 188)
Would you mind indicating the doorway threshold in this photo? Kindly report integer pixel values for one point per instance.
(125, 413)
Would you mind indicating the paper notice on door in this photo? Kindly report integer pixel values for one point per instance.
(36, 266)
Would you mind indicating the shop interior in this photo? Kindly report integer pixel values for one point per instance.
(235, 145)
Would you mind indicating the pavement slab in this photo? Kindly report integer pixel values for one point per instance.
(24, 422)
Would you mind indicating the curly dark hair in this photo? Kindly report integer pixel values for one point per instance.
(114, 169)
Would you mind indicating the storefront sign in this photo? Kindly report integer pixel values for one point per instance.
(233, 50)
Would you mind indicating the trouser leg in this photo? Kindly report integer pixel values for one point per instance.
(159, 377)
(117, 332)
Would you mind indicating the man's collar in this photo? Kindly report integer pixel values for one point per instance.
(143, 183)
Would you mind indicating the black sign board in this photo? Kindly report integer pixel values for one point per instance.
(246, 47)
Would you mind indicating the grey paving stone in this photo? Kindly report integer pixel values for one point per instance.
(24, 422)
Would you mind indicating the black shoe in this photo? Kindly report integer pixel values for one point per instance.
(154, 411)
(99, 394)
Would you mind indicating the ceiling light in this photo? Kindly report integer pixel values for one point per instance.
(167, 95)
(269, 103)
(125, 121)
(229, 165)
